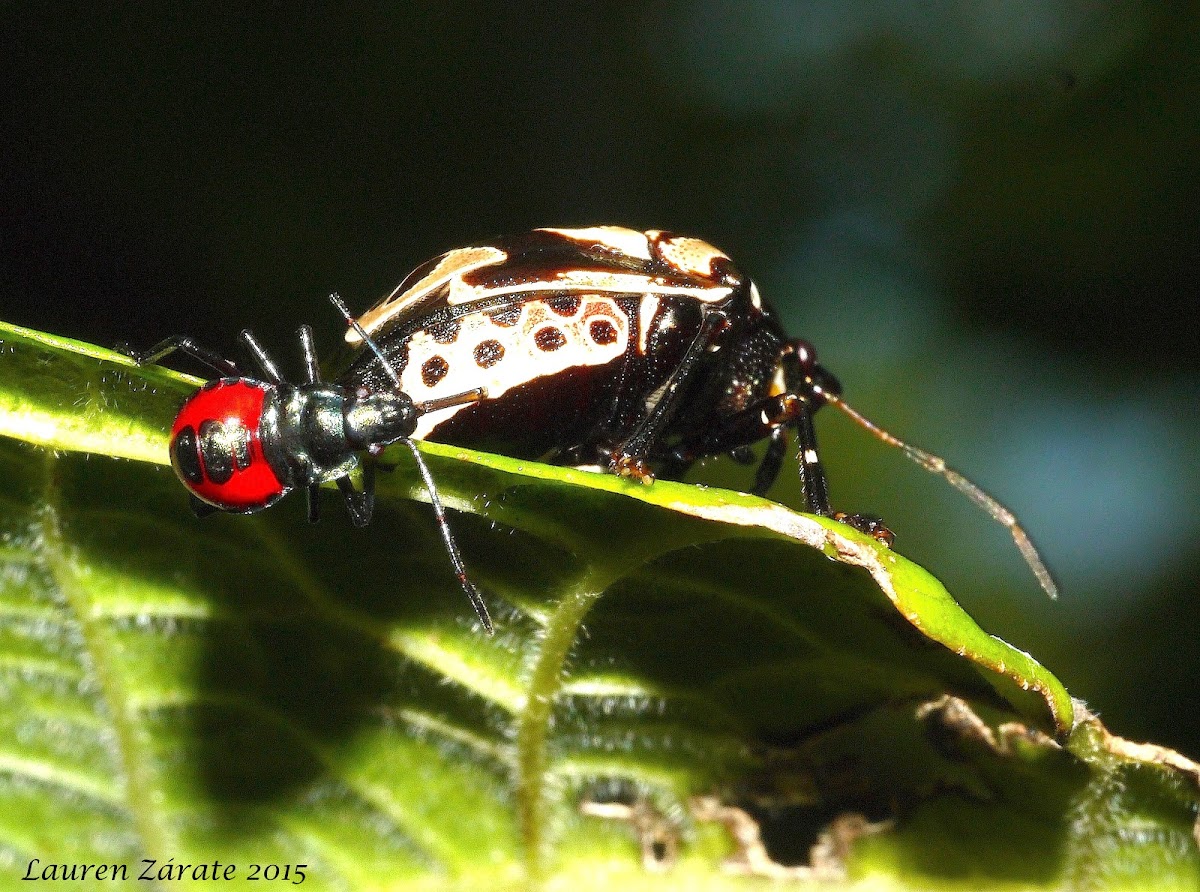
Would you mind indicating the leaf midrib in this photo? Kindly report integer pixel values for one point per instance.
(132, 757)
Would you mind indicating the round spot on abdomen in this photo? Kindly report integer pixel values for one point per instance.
(602, 332)
(506, 317)
(568, 305)
(549, 339)
(434, 370)
(488, 353)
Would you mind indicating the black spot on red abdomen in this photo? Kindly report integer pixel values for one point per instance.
(185, 455)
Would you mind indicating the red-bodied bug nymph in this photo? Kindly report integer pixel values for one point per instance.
(640, 352)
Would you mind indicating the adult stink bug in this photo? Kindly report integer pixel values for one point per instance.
(640, 352)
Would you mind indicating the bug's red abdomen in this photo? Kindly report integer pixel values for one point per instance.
(216, 448)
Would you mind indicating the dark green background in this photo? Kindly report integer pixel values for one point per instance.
(983, 214)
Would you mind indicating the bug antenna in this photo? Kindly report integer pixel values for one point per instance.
(937, 465)
(460, 571)
(336, 300)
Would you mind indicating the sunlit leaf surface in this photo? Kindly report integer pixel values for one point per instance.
(667, 658)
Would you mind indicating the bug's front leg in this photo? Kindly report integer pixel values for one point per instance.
(812, 473)
(768, 419)
(182, 344)
(816, 486)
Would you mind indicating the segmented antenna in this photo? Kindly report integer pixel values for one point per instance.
(455, 399)
(435, 500)
(937, 465)
(442, 402)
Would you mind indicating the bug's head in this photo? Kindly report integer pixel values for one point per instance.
(376, 419)
(804, 375)
(217, 451)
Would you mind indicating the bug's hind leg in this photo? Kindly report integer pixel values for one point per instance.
(361, 505)
(629, 458)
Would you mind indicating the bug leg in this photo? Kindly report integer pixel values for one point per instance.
(314, 502)
(772, 461)
(816, 488)
(629, 458)
(183, 344)
(871, 524)
(742, 455)
(200, 507)
(361, 505)
(261, 358)
(766, 419)
(812, 474)
(312, 371)
(814, 387)
(677, 463)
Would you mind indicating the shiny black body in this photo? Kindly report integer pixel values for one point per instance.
(703, 369)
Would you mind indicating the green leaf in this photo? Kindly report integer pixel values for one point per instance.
(675, 669)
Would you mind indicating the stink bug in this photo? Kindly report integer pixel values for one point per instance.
(638, 352)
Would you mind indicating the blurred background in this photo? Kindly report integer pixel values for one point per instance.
(984, 214)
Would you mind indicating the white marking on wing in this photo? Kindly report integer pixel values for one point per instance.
(522, 362)
(452, 266)
(692, 256)
(579, 281)
(646, 313)
(625, 241)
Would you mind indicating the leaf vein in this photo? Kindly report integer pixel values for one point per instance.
(50, 774)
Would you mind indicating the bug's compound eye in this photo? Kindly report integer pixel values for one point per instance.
(806, 354)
